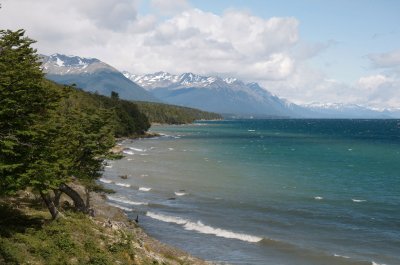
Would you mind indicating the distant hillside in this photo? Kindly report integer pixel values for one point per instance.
(212, 93)
(133, 117)
(128, 119)
(170, 114)
(92, 75)
(237, 99)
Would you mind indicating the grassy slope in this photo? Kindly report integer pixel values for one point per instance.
(28, 236)
(171, 114)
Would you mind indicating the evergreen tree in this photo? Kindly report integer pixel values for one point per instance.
(24, 101)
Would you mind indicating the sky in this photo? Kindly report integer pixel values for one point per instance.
(306, 51)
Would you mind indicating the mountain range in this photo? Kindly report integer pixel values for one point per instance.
(212, 93)
(92, 75)
(228, 96)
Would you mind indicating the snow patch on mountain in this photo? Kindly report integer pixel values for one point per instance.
(61, 64)
(163, 79)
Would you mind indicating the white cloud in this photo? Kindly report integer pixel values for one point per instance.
(380, 90)
(373, 81)
(235, 43)
(385, 60)
(169, 7)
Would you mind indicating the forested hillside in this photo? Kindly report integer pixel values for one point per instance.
(171, 114)
(53, 141)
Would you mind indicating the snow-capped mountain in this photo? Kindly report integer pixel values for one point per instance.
(69, 64)
(92, 75)
(354, 111)
(213, 93)
(163, 79)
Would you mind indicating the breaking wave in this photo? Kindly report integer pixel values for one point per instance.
(126, 201)
(105, 180)
(204, 229)
(120, 207)
(122, 184)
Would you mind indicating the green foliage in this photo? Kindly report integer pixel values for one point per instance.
(72, 240)
(25, 106)
(48, 133)
(170, 114)
(128, 119)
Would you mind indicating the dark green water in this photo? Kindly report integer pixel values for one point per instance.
(269, 191)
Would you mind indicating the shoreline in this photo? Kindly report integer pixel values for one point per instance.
(117, 219)
(113, 238)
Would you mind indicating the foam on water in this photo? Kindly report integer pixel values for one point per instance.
(122, 184)
(167, 219)
(128, 152)
(204, 229)
(120, 207)
(137, 149)
(357, 200)
(126, 201)
(319, 198)
(144, 189)
(105, 180)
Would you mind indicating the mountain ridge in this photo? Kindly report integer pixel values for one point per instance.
(93, 75)
(213, 93)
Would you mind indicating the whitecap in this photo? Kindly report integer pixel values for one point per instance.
(122, 184)
(121, 207)
(137, 149)
(105, 180)
(204, 229)
(108, 166)
(130, 159)
(144, 175)
(126, 201)
(179, 193)
(357, 200)
(374, 263)
(144, 189)
(128, 152)
(171, 149)
(341, 256)
(319, 198)
(167, 219)
(251, 130)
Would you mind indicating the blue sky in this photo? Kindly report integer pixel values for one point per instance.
(302, 50)
(358, 27)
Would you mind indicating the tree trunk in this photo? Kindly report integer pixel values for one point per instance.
(78, 201)
(57, 196)
(50, 205)
(87, 191)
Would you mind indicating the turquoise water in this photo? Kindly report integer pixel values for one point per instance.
(268, 191)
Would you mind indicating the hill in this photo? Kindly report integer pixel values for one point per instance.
(171, 114)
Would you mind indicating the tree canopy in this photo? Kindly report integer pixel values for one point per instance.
(51, 133)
